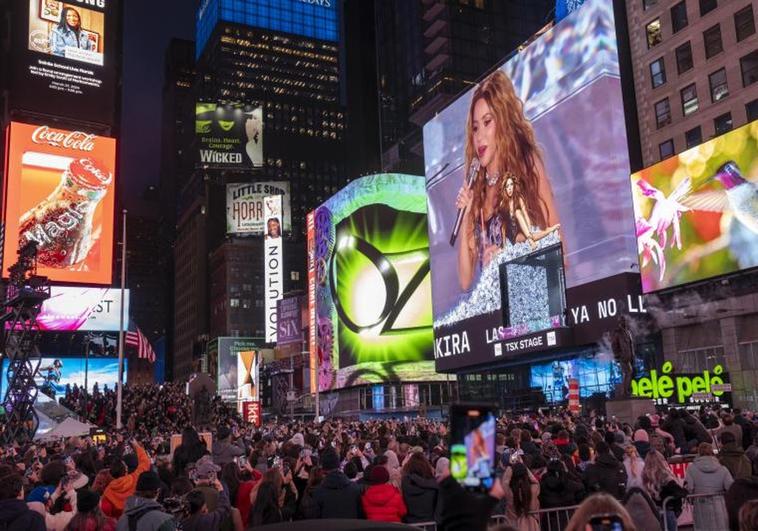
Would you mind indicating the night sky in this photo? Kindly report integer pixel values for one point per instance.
(149, 25)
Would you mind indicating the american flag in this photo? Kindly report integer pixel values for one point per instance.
(144, 349)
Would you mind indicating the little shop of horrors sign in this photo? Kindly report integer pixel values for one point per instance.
(592, 310)
(666, 387)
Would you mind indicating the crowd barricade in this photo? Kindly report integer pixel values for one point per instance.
(425, 526)
(703, 511)
(553, 519)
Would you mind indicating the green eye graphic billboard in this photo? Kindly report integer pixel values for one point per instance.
(372, 293)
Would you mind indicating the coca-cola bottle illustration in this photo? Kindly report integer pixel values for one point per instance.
(62, 223)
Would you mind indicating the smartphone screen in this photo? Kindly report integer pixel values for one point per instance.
(472, 445)
(606, 522)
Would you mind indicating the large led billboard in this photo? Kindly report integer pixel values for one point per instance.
(65, 59)
(244, 206)
(230, 376)
(371, 289)
(315, 19)
(83, 309)
(534, 157)
(229, 136)
(697, 212)
(59, 192)
(53, 377)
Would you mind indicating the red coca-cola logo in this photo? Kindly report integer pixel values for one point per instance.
(91, 172)
(65, 139)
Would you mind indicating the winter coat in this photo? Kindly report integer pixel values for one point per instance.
(741, 491)
(383, 503)
(642, 510)
(676, 428)
(556, 492)
(524, 522)
(225, 452)
(120, 489)
(606, 474)
(337, 497)
(734, 459)
(16, 516)
(707, 476)
(747, 430)
(735, 430)
(421, 497)
(694, 429)
(148, 513)
(461, 510)
(632, 480)
(213, 519)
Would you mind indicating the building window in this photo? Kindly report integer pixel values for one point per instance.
(684, 57)
(234, 302)
(749, 67)
(653, 31)
(712, 41)
(751, 109)
(698, 360)
(689, 100)
(723, 124)
(647, 4)
(666, 149)
(744, 23)
(662, 113)
(693, 137)
(719, 87)
(679, 16)
(706, 6)
(658, 72)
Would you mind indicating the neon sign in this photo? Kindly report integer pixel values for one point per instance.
(681, 388)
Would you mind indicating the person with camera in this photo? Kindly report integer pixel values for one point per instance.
(124, 483)
(200, 516)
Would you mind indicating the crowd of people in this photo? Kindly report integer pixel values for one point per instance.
(382, 470)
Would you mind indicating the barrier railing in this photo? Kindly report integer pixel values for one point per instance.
(553, 519)
(426, 526)
(708, 511)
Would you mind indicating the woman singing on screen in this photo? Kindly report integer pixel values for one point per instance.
(68, 33)
(499, 135)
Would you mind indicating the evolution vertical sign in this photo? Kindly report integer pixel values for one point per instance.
(273, 261)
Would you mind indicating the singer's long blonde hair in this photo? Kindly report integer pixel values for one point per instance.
(517, 149)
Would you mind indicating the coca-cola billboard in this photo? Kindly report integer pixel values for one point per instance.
(59, 192)
(65, 58)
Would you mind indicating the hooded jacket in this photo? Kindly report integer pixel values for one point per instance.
(694, 429)
(211, 521)
(606, 474)
(707, 476)
(734, 459)
(383, 503)
(337, 497)
(421, 497)
(149, 514)
(119, 489)
(16, 516)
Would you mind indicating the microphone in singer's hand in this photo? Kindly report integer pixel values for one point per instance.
(473, 170)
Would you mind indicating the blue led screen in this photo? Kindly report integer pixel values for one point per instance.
(317, 19)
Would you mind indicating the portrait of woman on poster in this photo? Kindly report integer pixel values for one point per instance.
(502, 139)
(68, 33)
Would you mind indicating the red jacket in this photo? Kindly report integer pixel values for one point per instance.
(243, 496)
(383, 503)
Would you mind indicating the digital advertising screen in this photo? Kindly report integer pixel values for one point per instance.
(273, 260)
(60, 191)
(514, 167)
(229, 136)
(371, 291)
(596, 374)
(66, 60)
(248, 383)
(696, 213)
(228, 351)
(244, 207)
(83, 309)
(52, 377)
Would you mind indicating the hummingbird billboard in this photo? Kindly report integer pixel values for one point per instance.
(696, 213)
